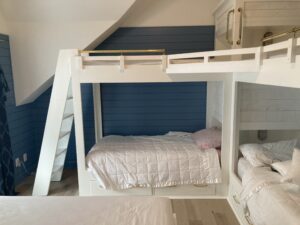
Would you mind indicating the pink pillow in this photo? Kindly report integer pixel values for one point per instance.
(208, 138)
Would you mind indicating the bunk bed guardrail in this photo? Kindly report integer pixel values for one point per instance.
(230, 60)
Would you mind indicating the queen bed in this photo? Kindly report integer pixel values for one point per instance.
(267, 200)
(270, 194)
(86, 210)
(119, 162)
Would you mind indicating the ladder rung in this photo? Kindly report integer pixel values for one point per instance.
(60, 151)
(63, 134)
(67, 115)
(57, 169)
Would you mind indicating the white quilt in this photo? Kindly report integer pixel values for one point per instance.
(268, 201)
(119, 162)
(85, 211)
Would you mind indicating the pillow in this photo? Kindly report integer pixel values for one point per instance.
(256, 154)
(208, 138)
(294, 172)
(282, 150)
(282, 167)
(178, 134)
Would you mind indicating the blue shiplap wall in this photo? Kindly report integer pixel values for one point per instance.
(173, 39)
(19, 118)
(151, 109)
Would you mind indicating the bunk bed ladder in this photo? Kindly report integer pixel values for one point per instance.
(58, 127)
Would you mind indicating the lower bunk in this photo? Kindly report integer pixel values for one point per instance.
(175, 164)
(265, 190)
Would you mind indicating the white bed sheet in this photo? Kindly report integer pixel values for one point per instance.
(269, 201)
(85, 211)
(243, 166)
(119, 162)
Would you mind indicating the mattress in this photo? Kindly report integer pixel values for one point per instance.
(243, 167)
(119, 162)
(86, 210)
(268, 201)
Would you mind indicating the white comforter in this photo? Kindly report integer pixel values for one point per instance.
(268, 201)
(119, 162)
(85, 211)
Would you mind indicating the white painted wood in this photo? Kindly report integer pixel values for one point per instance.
(234, 199)
(214, 104)
(97, 112)
(291, 52)
(186, 190)
(52, 133)
(271, 13)
(83, 184)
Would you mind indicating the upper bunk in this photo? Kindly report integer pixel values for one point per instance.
(277, 64)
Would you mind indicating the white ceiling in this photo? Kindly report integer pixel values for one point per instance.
(62, 10)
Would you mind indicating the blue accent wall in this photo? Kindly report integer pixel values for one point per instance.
(152, 109)
(19, 117)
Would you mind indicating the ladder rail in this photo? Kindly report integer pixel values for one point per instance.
(52, 130)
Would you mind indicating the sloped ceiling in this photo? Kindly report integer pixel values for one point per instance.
(63, 10)
(38, 29)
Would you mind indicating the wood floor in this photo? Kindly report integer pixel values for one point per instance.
(188, 211)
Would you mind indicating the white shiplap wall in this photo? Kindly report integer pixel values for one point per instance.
(215, 99)
(269, 107)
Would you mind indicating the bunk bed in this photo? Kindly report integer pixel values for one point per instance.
(168, 165)
(267, 131)
(205, 66)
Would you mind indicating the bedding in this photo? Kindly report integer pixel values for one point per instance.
(293, 174)
(256, 154)
(119, 162)
(208, 138)
(243, 167)
(281, 150)
(86, 210)
(267, 200)
(282, 167)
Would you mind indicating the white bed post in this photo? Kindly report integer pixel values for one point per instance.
(97, 112)
(229, 91)
(76, 67)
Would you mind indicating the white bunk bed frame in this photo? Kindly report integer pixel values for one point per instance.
(254, 65)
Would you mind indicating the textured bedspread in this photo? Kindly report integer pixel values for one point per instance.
(268, 201)
(119, 162)
(85, 211)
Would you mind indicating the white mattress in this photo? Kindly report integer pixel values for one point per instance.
(119, 162)
(85, 211)
(269, 201)
(243, 167)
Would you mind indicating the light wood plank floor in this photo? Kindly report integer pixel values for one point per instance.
(188, 211)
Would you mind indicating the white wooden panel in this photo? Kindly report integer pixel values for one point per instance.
(269, 107)
(234, 199)
(186, 190)
(271, 13)
(215, 103)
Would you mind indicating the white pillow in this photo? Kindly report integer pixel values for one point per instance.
(282, 167)
(281, 150)
(256, 154)
(178, 134)
(294, 172)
